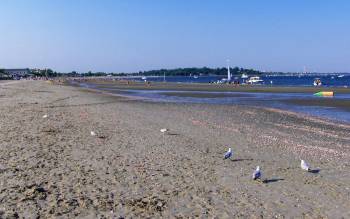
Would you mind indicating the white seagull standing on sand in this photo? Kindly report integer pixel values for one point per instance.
(45, 116)
(164, 130)
(304, 165)
(228, 154)
(92, 133)
(257, 173)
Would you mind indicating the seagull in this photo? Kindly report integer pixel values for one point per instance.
(164, 130)
(304, 165)
(228, 154)
(257, 173)
(93, 133)
(45, 116)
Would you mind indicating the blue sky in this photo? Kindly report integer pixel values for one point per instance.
(133, 35)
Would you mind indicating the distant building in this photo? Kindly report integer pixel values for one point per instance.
(23, 72)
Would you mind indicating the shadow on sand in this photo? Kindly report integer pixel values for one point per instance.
(272, 180)
(314, 171)
(172, 134)
(241, 159)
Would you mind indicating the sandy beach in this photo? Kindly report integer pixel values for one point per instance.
(53, 167)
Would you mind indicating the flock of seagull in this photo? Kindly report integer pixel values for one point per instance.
(257, 175)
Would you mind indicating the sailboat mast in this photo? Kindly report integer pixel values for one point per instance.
(228, 71)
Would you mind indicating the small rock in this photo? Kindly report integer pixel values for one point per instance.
(145, 200)
(159, 206)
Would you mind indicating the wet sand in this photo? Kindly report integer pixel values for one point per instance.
(130, 85)
(53, 167)
(204, 95)
(218, 91)
(323, 101)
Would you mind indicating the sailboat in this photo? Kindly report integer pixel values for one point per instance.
(228, 71)
(228, 79)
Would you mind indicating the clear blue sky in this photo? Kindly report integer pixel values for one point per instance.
(131, 35)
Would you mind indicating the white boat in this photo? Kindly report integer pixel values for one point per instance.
(244, 76)
(195, 76)
(144, 78)
(317, 82)
(222, 81)
(340, 76)
(255, 80)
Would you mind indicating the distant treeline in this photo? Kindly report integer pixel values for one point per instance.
(3, 75)
(199, 71)
(168, 72)
(204, 71)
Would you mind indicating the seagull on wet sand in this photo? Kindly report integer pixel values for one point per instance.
(257, 173)
(92, 133)
(228, 154)
(304, 165)
(164, 130)
(45, 116)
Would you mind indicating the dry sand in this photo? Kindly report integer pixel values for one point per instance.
(53, 167)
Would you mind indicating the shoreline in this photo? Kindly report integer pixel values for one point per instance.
(301, 115)
(132, 85)
(330, 108)
(53, 167)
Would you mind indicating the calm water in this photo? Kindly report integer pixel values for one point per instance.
(274, 100)
(306, 80)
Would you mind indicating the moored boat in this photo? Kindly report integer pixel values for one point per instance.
(244, 76)
(317, 82)
(324, 94)
(255, 80)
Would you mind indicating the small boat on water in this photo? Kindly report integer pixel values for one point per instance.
(144, 78)
(340, 76)
(317, 82)
(244, 76)
(255, 80)
(324, 94)
(222, 81)
(195, 76)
